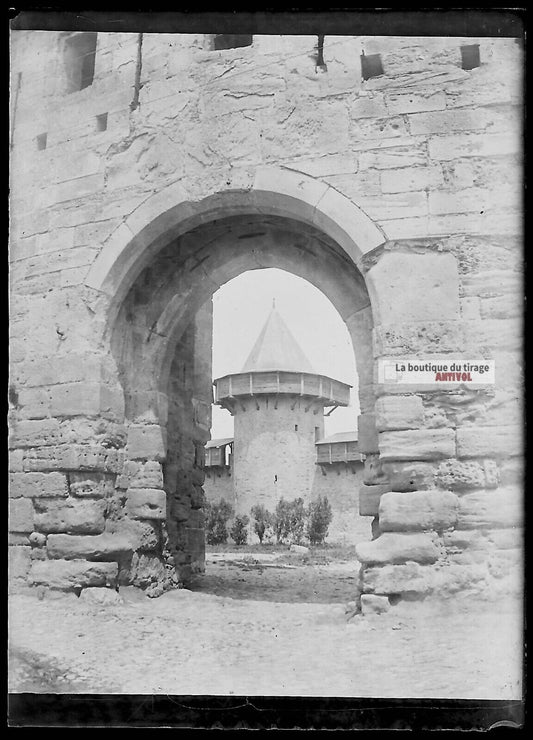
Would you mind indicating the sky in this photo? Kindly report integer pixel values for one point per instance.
(240, 310)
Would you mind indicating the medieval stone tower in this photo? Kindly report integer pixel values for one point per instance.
(278, 403)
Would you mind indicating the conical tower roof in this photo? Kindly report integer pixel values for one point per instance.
(276, 349)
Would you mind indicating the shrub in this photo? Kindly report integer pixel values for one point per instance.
(262, 520)
(289, 520)
(216, 519)
(319, 518)
(239, 531)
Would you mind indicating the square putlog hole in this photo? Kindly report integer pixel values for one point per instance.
(470, 58)
(371, 66)
(42, 141)
(101, 122)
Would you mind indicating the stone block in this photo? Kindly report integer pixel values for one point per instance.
(146, 503)
(146, 570)
(411, 178)
(35, 433)
(95, 485)
(499, 441)
(414, 287)
(444, 121)
(398, 547)
(369, 497)
(423, 444)
(144, 536)
(491, 509)
(15, 461)
(101, 596)
(373, 604)
(33, 485)
(75, 399)
(73, 516)
(399, 579)
(409, 476)
(21, 515)
(146, 442)
(416, 102)
(414, 338)
(399, 412)
(416, 510)
(104, 546)
(459, 475)
(71, 575)
(367, 435)
(473, 145)
(19, 561)
(507, 539)
(147, 475)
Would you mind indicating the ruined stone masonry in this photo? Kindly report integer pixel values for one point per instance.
(145, 177)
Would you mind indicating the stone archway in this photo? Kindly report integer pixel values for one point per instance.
(159, 332)
(133, 476)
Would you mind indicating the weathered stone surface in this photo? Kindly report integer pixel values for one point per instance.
(75, 516)
(415, 510)
(507, 539)
(493, 509)
(410, 476)
(70, 575)
(146, 503)
(32, 485)
(499, 441)
(19, 561)
(456, 475)
(397, 579)
(148, 475)
(146, 442)
(142, 535)
(146, 570)
(369, 497)
(101, 596)
(412, 286)
(417, 444)
(398, 547)
(104, 546)
(372, 604)
(399, 412)
(95, 485)
(299, 549)
(367, 435)
(15, 461)
(35, 432)
(20, 515)
(37, 539)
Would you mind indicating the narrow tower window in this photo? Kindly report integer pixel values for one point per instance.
(80, 56)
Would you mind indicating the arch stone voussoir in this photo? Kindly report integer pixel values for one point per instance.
(276, 191)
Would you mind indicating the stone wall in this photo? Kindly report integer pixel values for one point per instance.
(398, 196)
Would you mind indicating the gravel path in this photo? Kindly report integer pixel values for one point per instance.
(191, 642)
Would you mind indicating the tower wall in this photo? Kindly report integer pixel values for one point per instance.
(275, 450)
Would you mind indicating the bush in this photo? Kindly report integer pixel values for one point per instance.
(319, 518)
(216, 519)
(289, 521)
(239, 531)
(262, 520)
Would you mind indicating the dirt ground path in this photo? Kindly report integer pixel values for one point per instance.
(281, 631)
